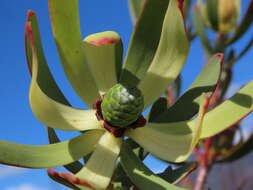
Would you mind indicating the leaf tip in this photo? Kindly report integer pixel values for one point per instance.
(30, 13)
(68, 179)
(220, 55)
(181, 6)
(103, 38)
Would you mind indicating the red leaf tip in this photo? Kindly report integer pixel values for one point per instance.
(221, 55)
(69, 178)
(30, 13)
(29, 32)
(103, 41)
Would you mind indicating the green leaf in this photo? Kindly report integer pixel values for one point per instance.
(103, 52)
(187, 105)
(173, 142)
(212, 13)
(69, 180)
(243, 27)
(176, 175)
(66, 30)
(238, 151)
(47, 156)
(73, 167)
(144, 41)
(49, 111)
(140, 175)
(100, 167)
(45, 78)
(170, 56)
(135, 7)
(199, 24)
(229, 112)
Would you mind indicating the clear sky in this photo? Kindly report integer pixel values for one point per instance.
(17, 121)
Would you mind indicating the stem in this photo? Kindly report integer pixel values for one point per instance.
(205, 164)
(201, 177)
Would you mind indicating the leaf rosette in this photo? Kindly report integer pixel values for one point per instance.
(94, 68)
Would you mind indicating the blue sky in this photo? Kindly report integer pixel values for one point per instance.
(17, 121)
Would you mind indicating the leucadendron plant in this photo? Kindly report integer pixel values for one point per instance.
(113, 132)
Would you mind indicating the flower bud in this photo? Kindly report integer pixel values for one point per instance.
(228, 14)
(122, 105)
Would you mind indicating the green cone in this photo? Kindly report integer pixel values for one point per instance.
(122, 105)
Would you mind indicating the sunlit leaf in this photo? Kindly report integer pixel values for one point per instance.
(74, 167)
(49, 111)
(45, 78)
(140, 175)
(229, 112)
(100, 167)
(170, 56)
(66, 29)
(144, 41)
(188, 104)
(172, 142)
(47, 156)
(103, 52)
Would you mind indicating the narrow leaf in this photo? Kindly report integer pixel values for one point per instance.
(45, 78)
(141, 176)
(135, 7)
(176, 175)
(188, 104)
(103, 52)
(73, 167)
(144, 41)
(100, 167)
(170, 56)
(173, 142)
(47, 156)
(229, 112)
(66, 30)
(212, 13)
(199, 24)
(49, 111)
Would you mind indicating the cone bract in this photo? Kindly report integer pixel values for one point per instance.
(122, 105)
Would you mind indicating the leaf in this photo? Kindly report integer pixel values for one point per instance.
(100, 167)
(199, 24)
(170, 56)
(49, 111)
(69, 180)
(59, 179)
(173, 142)
(212, 13)
(141, 176)
(243, 27)
(66, 30)
(229, 112)
(45, 78)
(187, 105)
(74, 167)
(103, 52)
(176, 175)
(238, 151)
(135, 7)
(47, 156)
(144, 41)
